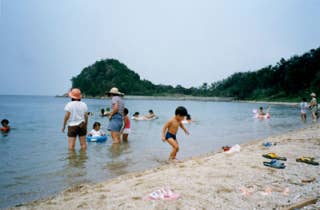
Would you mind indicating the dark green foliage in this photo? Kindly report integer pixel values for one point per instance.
(288, 79)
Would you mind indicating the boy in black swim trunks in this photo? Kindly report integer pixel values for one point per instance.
(170, 130)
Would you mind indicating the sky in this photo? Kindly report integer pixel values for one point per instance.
(44, 43)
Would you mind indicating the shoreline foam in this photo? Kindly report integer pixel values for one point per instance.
(212, 181)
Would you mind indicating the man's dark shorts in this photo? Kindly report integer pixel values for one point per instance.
(77, 130)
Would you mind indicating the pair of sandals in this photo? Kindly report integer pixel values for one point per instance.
(163, 194)
(275, 161)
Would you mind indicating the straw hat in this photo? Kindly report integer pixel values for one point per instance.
(115, 91)
(313, 95)
(75, 93)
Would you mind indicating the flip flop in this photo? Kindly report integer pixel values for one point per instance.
(275, 164)
(308, 160)
(163, 194)
(267, 144)
(272, 155)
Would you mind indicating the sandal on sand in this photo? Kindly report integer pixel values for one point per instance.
(272, 155)
(308, 160)
(163, 194)
(267, 144)
(275, 164)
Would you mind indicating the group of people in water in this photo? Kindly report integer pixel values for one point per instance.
(313, 106)
(119, 123)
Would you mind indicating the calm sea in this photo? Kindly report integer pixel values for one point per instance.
(35, 161)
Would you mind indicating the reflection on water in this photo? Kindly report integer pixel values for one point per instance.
(117, 149)
(35, 161)
(118, 166)
(77, 159)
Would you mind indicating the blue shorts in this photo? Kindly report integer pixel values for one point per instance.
(170, 135)
(116, 123)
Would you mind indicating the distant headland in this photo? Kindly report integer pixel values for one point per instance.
(288, 80)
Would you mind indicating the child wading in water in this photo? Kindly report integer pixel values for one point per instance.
(126, 129)
(5, 125)
(170, 130)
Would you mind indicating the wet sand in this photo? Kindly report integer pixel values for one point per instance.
(212, 181)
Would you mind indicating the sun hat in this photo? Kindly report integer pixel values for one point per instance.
(313, 95)
(75, 93)
(115, 91)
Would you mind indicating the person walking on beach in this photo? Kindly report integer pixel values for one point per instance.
(116, 115)
(170, 130)
(303, 109)
(314, 107)
(77, 115)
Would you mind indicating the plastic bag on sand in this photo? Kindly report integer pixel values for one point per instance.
(234, 149)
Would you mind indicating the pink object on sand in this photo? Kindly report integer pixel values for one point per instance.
(163, 194)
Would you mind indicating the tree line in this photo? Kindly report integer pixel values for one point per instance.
(288, 79)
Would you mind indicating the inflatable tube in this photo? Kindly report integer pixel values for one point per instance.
(144, 118)
(97, 138)
(257, 116)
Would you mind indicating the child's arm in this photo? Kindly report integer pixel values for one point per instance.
(164, 129)
(124, 124)
(184, 129)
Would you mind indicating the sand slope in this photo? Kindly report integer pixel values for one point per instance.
(215, 181)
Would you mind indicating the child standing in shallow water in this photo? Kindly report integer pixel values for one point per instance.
(126, 130)
(170, 130)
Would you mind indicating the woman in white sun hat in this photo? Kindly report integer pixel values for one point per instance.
(116, 114)
(314, 107)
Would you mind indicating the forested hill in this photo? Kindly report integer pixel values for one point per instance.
(100, 77)
(288, 79)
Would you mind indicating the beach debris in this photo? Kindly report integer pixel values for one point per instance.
(226, 148)
(275, 164)
(308, 180)
(234, 149)
(245, 191)
(272, 155)
(267, 191)
(301, 204)
(269, 144)
(163, 194)
(308, 160)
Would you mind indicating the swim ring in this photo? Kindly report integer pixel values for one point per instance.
(144, 118)
(257, 116)
(97, 138)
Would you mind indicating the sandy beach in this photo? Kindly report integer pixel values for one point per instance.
(212, 181)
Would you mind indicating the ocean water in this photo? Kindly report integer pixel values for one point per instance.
(36, 163)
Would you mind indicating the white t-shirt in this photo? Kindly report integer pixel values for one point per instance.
(77, 110)
(304, 107)
(96, 133)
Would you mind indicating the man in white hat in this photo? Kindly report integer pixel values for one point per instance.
(314, 107)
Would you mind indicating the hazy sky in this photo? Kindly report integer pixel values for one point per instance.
(44, 43)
